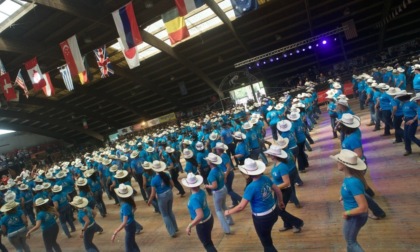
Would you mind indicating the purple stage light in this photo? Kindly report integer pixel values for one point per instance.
(335, 39)
(285, 55)
(264, 62)
(297, 51)
(271, 60)
(303, 49)
(316, 45)
(291, 54)
(309, 47)
(258, 64)
(277, 58)
(249, 67)
(324, 42)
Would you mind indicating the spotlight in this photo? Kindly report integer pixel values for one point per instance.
(271, 60)
(309, 47)
(291, 54)
(285, 55)
(297, 51)
(277, 58)
(264, 62)
(335, 39)
(258, 64)
(316, 45)
(249, 67)
(303, 49)
(324, 42)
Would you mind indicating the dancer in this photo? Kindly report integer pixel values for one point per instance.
(13, 224)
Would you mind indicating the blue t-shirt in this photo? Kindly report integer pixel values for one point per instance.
(200, 158)
(216, 174)
(332, 106)
(409, 109)
(416, 82)
(159, 185)
(252, 138)
(242, 148)
(351, 187)
(352, 142)
(385, 101)
(149, 178)
(259, 194)
(397, 103)
(190, 168)
(273, 116)
(225, 160)
(61, 199)
(196, 201)
(299, 131)
(227, 136)
(47, 219)
(126, 210)
(81, 213)
(26, 195)
(95, 185)
(278, 172)
(13, 222)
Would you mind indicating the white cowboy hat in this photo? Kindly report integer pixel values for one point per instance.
(284, 125)
(214, 159)
(294, 109)
(81, 182)
(46, 185)
(239, 135)
(247, 125)
(121, 174)
(158, 166)
(283, 142)
(9, 206)
(343, 97)
(276, 150)
(199, 146)
(389, 68)
(83, 168)
(150, 149)
(221, 146)
(279, 106)
(124, 158)
(147, 165)
(113, 168)
(41, 201)
(192, 180)
(393, 91)
(253, 121)
(124, 191)
(89, 173)
(132, 143)
(402, 93)
(293, 116)
(106, 161)
(134, 154)
(336, 85)
(38, 188)
(79, 202)
(269, 108)
(187, 153)
(349, 120)
(23, 187)
(343, 103)
(56, 188)
(60, 175)
(187, 142)
(252, 167)
(350, 159)
(169, 149)
(213, 136)
(401, 70)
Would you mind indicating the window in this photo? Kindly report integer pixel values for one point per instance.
(11, 11)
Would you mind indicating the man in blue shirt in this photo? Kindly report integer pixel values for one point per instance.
(227, 138)
(384, 104)
(369, 101)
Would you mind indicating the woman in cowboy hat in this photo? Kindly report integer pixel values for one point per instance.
(410, 109)
(352, 197)
(216, 183)
(241, 150)
(127, 209)
(199, 210)
(202, 164)
(332, 113)
(260, 194)
(137, 171)
(162, 188)
(26, 200)
(280, 176)
(384, 104)
(86, 217)
(13, 224)
(85, 191)
(61, 204)
(95, 185)
(46, 219)
(190, 162)
(172, 163)
(148, 174)
(396, 115)
(299, 131)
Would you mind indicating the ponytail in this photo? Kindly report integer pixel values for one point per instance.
(164, 177)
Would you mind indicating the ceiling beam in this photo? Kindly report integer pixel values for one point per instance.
(385, 12)
(44, 119)
(48, 133)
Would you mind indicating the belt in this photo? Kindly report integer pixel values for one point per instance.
(91, 225)
(266, 212)
(218, 190)
(204, 221)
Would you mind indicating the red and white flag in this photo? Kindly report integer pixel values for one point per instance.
(35, 74)
(131, 55)
(49, 88)
(72, 55)
(7, 87)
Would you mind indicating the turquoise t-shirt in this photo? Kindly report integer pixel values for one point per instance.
(260, 195)
(159, 185)
(127, 210)
(216, 174)
(81, 213)
(198, 200)
(13, 222)
(47, 219)
(278, 172)
(351, 187)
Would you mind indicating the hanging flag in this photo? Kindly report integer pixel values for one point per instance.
(84, 123)
(175, 26)
(2, 68)
(35, 74)
(104, 63)
(49, 88)
(127, 26)
(68, 81)
(72, 55)
(84, 76)
(241, 7)
(21, 83)
(186, 6)
(7, 87)
(130, 55)
(17, 96)
(350, 32)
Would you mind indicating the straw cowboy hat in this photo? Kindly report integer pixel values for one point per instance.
(343, 103)
(350, 159)
(46, 185)
(393, 91)
(41, 201)
(239, 135)
(277, 151)
(79, 202)
(187, 142)
(81, 182)
(60, 175)
(221, 146)
(199, 146)
(134, 154)
(8, 206)
(294, 109)
(124, 191)
(89, 173)
(106, 161)
(23, 187)
(124, 158)
(187, 153)
(121, 174)
(169, 149)
(253, 121)
(192, 180)
(213, 136)
(279, 106)
(150, 149)
(113, 168)
(147, 165)
(343, 97)
(284, 125)
(247, 126)
(283, 142)
(38, 188)
(252, 167)
(402, 94)
(214, 159)
(389, 68)
(293, 116)
(158, 166)
(349, 120)
(56, 188)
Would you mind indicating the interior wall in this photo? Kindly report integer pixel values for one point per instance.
(19, 140)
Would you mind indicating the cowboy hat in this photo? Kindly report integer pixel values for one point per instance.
(56, 188)
(277, 151)
(169, 149)
(89, 173)
(389, 68)
(283, 142)
(124, 158)
(343, 103)
(213, 136)
(106, 161)
(349, 120)
(150, 149)
(221, 146)
(187, 153)
(158, 166)
(393, 91)
(81, 182)
(23, 187)
(187, 142)
(46, 185)
(336, 85)
(192, 180)
(402, 93)
(134, 154)
(284, 125)
(350, 159)
(214, 159)
(121, 174)
(147, 165)
(252, 167)
(239, 135)
(60, 175)
(199, 146)
(279, 106)
(416, 98)
(79, 202)
(124, 191)
(40, 201)
(293, 116)
(247, 126)
(38, 188)
(9, 206)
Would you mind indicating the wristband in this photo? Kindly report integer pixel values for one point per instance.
(348, 212)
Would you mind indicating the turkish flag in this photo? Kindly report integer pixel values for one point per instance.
(35, 74)
(7, 87)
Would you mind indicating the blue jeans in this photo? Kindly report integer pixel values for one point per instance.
(378, 117)
(66, 216)
(219, 199)
(49, 236)
(130, 238)
(139, 178)
(233, 195)
(165, 201)
(374, 207)
(386, 118)
(372, 113)
(288, 219)
(204, 234)
(399, 133)
(274, 131)
(88, 237)
(263, 226)
(29, 211)
(100, 202)
(154, 201)
(351, 228)
(410, 134)
(333, 119)
(362, 99)
(18, 240)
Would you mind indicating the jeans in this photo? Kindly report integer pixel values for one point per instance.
(106, 187)
(204, 234)
(378, 116)
(165, 201)
(49, 236)
(112, 192)
(233, 195)
(154, 201)
(333, 119)
(66, 216)
(139, 178)
(274, 131)
(288, 219)
(88, 237)
(18, 240)
(204, 172)
(301, 157)
(174, 176)
(351, 228)
(219, 199)
(130, 238)
(29, 211)
(410, 134)
(386, 118)
(399, 133)
(372, 113)
(263, 226)
(231, 151)
(362, 99)
(374, 207)
(294, 178)
(100, 202)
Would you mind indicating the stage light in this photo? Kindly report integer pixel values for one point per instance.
(291, 54)
(258, 64)
(316, 45)
(249, 67)
(303, 49)
(264, 62)
(335, 39)
(309, 47)
(285, 55)
(324, 42)
(297, 51)
(277, 58)
(271, 60)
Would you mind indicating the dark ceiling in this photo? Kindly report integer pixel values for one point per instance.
(151, 90)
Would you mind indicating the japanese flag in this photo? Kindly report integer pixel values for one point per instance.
(131, 55)
(7, 87)
(35, 74)
(48, 88)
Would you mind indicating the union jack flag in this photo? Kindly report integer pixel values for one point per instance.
(104, 63)
(21, 83)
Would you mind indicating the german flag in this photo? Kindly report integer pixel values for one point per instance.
(175, 26)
